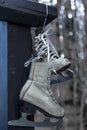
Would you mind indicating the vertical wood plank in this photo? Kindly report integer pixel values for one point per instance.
(3, 76)
(19, 51)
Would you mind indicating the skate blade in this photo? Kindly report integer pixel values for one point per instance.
(63, 77)
(23, 122)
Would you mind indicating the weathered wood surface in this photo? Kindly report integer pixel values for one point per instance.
(25, 12)
(19, 51)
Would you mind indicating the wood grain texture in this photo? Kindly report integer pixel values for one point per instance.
(25, 12)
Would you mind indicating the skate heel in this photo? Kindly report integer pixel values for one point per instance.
(26, 107)
(31, 109)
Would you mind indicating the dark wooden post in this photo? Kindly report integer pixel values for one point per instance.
(19, 51)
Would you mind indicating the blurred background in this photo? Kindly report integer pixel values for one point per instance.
(69, 39)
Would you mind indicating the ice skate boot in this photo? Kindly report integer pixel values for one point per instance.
(46, 50)
(38, 94)
(57, 63)
(41, 48)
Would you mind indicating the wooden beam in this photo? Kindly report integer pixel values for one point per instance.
(26, 12)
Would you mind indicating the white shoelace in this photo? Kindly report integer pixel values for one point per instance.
(26, 64)
(42, 44)
(43, 50)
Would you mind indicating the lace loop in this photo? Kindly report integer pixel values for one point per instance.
(42, 48)
(32, 59)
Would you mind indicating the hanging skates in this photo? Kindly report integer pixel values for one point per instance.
(36, 91)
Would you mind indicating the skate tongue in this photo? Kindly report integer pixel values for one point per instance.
(23, 122)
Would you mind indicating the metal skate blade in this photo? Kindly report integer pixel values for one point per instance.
(63, 77)
(23, 122)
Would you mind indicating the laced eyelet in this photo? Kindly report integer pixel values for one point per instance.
(41, 47)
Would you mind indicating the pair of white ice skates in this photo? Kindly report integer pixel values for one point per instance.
(37, 91)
